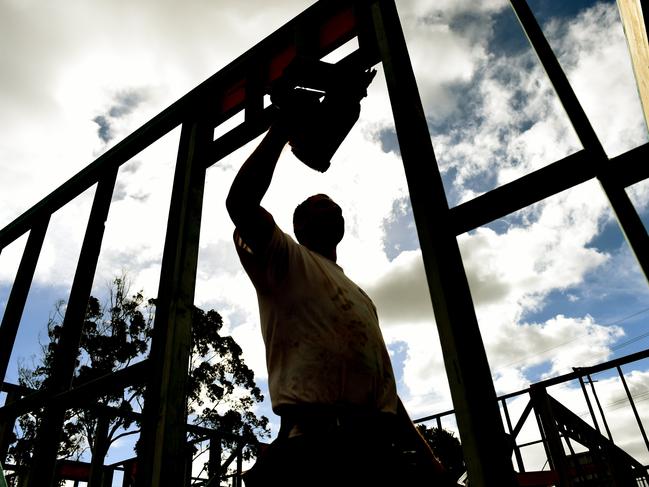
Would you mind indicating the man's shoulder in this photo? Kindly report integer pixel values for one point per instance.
(277, 237)
(268, 267)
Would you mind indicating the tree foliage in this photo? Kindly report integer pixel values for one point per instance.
(221, 387)
(446, 447)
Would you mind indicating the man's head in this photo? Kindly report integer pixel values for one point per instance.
(318, 223)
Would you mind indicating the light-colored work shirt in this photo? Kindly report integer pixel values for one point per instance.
(321, 331)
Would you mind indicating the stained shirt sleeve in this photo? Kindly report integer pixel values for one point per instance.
(269, 267)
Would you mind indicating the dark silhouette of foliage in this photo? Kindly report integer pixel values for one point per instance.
(219, 377)
(221, 387)
(446, 447)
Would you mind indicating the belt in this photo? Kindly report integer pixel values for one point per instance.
(299, 420)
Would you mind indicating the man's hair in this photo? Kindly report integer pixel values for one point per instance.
(300, 217)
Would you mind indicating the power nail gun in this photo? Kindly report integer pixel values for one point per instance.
(320, 102)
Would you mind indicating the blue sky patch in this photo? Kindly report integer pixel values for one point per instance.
(545, 10)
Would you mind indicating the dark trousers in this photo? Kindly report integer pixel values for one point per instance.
(338, 451)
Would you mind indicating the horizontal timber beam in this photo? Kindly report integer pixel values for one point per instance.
(625, 170)
(224, 93)
(79, 395)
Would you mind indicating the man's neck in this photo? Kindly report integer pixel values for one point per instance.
(326, 252)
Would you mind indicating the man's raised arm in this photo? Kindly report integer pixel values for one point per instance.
(254, 223)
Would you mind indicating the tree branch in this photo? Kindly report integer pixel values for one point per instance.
(127, 433)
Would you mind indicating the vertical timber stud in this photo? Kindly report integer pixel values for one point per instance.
(163, 439)
(7, 426)
(474, 398)
(99, 450)
(239, 478)
(19, 291)
(11, 320)
(214, 460)
(49, 432)
(367, 42)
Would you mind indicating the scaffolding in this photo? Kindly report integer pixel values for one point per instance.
(241, 86)
(559, 430)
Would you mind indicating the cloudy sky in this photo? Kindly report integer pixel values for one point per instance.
(555, 285)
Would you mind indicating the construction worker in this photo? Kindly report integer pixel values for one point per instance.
(329, 372)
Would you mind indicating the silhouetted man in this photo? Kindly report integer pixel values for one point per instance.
(329, 372)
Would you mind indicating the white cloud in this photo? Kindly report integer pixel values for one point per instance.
(593, 53)
(565, 342)
(509, 274)
(10, 259)
(423, 11)
(441, 58)
(639, 194)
